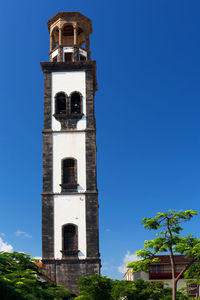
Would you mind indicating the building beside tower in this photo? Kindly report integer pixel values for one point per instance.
(160, 271)
(70, 235)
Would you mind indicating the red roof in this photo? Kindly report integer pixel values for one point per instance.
(38, 263)
(178, 259)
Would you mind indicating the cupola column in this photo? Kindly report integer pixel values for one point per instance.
(75, 34)
(60, 36)
(51, 42)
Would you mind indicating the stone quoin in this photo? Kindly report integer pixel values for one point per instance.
(70, 233)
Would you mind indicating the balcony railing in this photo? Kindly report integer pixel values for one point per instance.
(162, 274)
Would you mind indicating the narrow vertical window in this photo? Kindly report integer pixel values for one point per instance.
(69, 171)
(76, 103)
(70, 237)
(60, 103)
(69, 175)
(68, 57)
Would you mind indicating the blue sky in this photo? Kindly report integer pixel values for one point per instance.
(147, 111)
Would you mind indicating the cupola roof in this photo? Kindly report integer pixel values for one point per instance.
(70, 16)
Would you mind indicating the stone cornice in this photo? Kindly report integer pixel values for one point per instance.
(49, 131)
(71, 260)
(89, 65)
(69, 193)
(67, 66)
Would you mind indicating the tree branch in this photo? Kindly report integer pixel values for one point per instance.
(185, 269)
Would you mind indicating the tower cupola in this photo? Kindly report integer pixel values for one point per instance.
(69, 37)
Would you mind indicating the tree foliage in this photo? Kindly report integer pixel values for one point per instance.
(168, 240)
(97, 287)
(94, 287)
(21, 279)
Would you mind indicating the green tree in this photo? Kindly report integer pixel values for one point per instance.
(97, 287)
(137, 290)
(21, 279)
(168, 240)
(94, 287)
(192, 276)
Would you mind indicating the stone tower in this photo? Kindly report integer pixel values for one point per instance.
(70, 238)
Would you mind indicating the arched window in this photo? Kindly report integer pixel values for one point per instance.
(60, 103)
(68, 30)
(54, 37)
(70, 237)
(69, 171)
(68, 38)
(76, 103)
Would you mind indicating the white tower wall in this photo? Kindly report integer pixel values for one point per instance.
(69, 208)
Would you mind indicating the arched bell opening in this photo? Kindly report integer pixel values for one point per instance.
(80, 36)
(76, 103)
(54, 38)
(60, 103)
(68, 35)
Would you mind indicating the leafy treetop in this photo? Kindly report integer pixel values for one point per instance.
(21, 279)
(168, 239)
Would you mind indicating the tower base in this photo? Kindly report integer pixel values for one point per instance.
(67, 272)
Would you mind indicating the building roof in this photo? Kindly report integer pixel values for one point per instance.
(38, 263)
(165, 259)
(69, 15)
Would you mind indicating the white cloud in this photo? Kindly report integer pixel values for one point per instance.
(108, 265)
(24, 234)
(127, 258)
(2, 234)
(5, 247)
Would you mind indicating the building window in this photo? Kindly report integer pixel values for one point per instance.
(60, 103)
(70, 240)
(68, 110)
(69, 171)
(193, 289)
(76, 105)
(68, 56)
(69, 175)
(156, 269)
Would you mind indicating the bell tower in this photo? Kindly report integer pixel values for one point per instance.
(70, 237)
